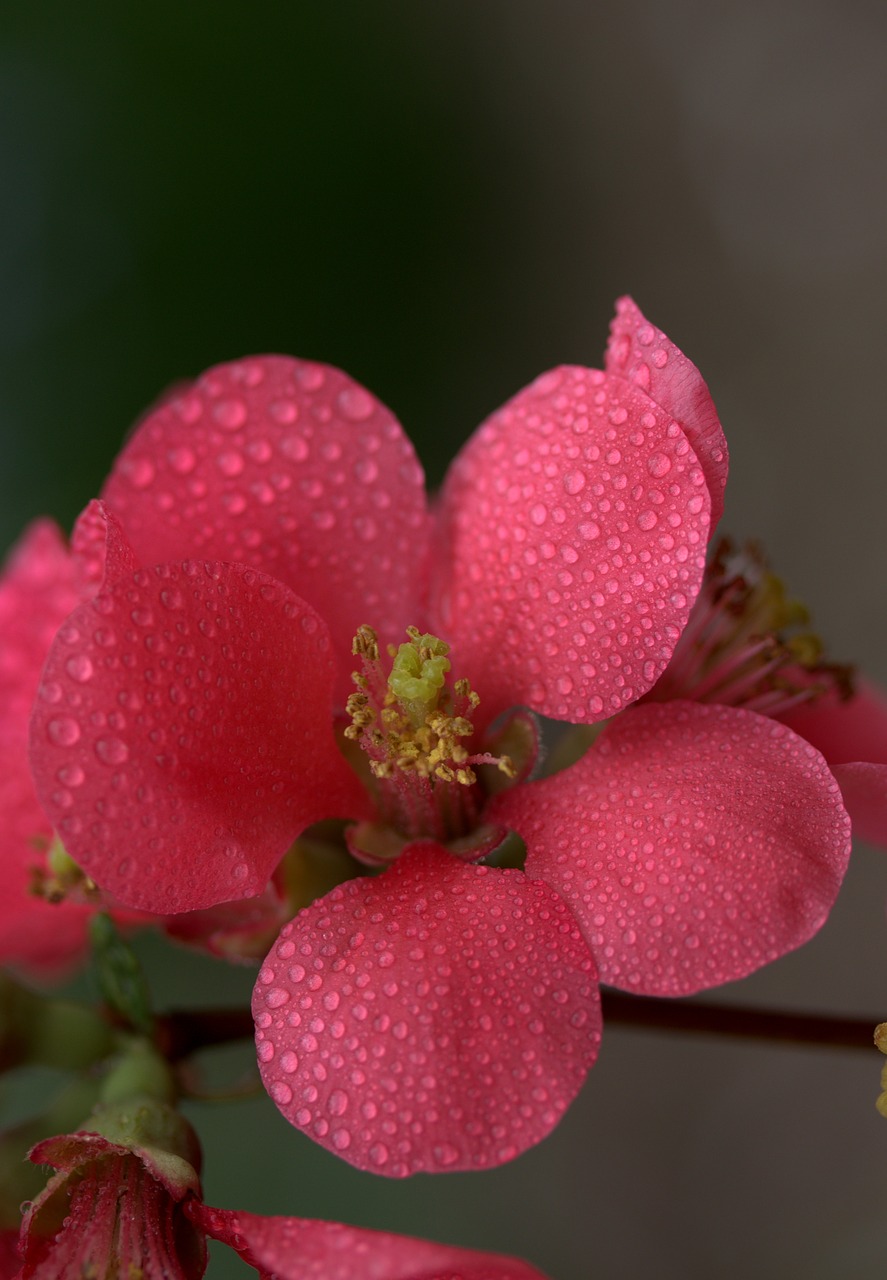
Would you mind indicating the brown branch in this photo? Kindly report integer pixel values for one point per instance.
(811, 1029)
(183, 1032)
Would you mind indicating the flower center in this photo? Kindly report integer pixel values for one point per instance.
(413, 727)
(747, 643)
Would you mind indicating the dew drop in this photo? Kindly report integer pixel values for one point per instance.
(230, 414)
(64, 731)
(338, 1102)
(659, 464)
(112, 750)
(138, 471)
(183, 460)
(230, 463)
(284, 411)
(79, 667)
(355, 403)
(446, 1154)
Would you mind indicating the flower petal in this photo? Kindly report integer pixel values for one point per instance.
(101, 549)
(852, 735)
(573, 528)
(303, 1249)
(292, 468)
(438, 1017)
(37, 592)
(643, 354)
(864, 789)
(183, 734)
(695, 843)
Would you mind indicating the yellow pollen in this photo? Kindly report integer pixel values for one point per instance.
(413, 722)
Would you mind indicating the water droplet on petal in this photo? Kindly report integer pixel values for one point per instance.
(230, 414)
(64, 731)
(112, 750)
(79, 667)
(355, 403)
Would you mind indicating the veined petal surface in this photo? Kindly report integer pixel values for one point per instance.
(292, 468)
(303, 1249)
(182, 736)
(436, 1018)
(573, 533)
(694, 843)
(637, 350)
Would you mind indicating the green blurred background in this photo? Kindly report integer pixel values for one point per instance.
(445, 199)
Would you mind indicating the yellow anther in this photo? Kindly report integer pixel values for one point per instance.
(412, 721)
(365, 644)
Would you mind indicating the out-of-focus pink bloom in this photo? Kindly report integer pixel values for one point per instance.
(852, 735)
(38, 589)
(748, 644)
(137, 1212)
(444, 1014)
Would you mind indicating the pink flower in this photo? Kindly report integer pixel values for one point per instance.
(37, 591)
(443, 1014)
(852, 735)
(116, 1203)
(138, 1210)
(748, 644)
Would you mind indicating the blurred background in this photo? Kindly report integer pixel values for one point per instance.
(445, 200)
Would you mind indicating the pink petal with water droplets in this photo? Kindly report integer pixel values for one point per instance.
(294, 469)
(37, 592)
(188, 708)
(436, 1018)
(100, 548)
(695, 843)
(643, 354)
(302, 1249)
(864, 788)
(852, 735)
(572, 546)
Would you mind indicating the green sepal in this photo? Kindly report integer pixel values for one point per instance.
(120, 977)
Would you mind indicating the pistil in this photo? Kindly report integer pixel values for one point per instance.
(413, 728)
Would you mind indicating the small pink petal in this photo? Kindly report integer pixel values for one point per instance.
(436, 1018)
(37, 592)
(302, 1249)
(855, 729)
(852, 735)
(694, 842)
(100, 548)
(864, 788)
(572, 546)
(643, 354)
(183, 734)
(294, 469)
